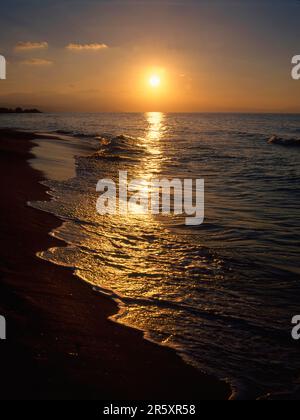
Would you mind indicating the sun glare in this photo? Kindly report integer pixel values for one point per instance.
(154, 81)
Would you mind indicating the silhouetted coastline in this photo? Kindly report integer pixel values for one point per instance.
(19, 110)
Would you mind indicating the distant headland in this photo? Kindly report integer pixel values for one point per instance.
(19, 111)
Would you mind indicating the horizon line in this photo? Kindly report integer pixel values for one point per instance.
(174, 112)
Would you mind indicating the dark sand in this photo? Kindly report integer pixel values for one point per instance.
(60, 343)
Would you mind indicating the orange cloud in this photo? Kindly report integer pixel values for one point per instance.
(37, 62)
(28, 46)
(86, 47)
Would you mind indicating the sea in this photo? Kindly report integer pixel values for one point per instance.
(222, 294)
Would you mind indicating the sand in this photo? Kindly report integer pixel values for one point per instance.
(60, 343)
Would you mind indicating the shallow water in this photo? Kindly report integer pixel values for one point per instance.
(55, 156)
(224, 293)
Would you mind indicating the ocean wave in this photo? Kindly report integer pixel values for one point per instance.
(119, 148)
(281, 141)
(77, 134)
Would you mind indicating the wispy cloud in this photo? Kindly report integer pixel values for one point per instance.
(37, 62)
(86, 47)
(29, 46)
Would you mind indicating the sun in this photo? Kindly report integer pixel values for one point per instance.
(154, 81)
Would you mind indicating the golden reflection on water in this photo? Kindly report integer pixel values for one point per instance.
(150, 165)
(156, 127)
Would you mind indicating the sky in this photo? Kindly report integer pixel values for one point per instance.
(99, 55)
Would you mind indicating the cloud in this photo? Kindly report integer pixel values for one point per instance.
(37, 62)
(86, 47)
(28, 46)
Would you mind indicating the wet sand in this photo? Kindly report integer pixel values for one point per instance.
(60, 343)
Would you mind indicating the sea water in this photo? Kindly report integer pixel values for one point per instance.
(222, 294)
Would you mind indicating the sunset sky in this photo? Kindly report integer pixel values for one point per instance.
(101, 55)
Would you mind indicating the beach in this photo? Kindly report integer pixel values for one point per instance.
(150, 223)
(60, 343)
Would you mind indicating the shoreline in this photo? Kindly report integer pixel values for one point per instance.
(60, 343)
